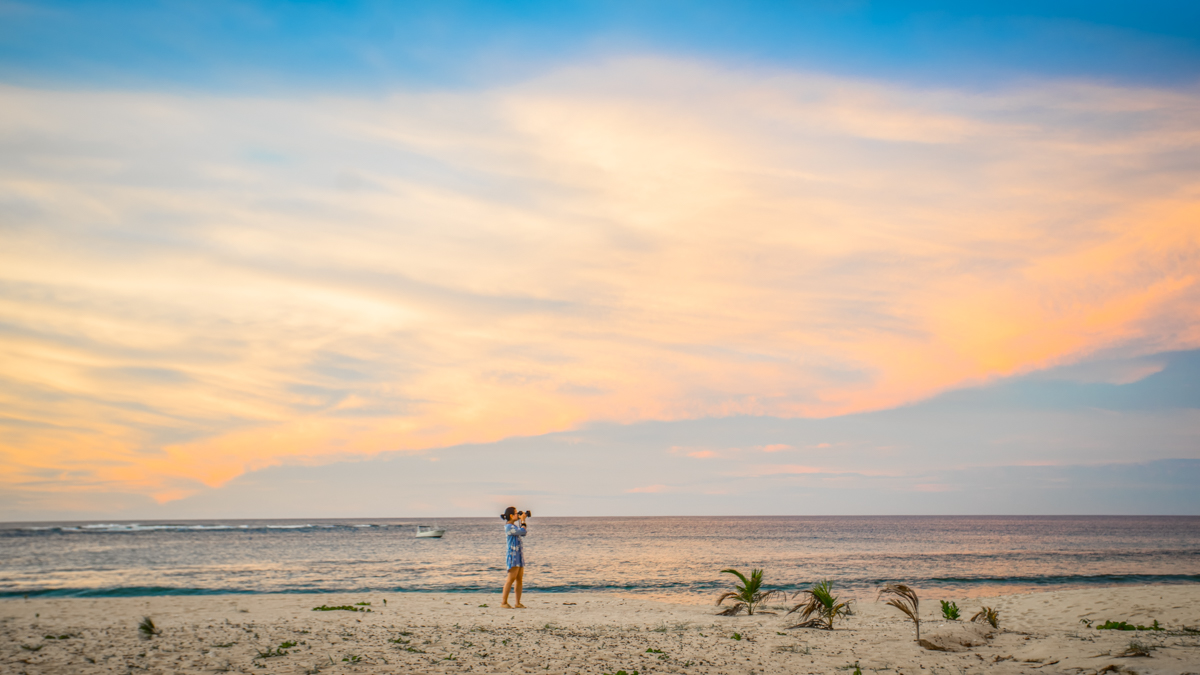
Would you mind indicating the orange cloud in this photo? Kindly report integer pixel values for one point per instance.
(640, 239)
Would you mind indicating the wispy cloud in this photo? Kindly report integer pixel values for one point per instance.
(649, 489)
(196, 286)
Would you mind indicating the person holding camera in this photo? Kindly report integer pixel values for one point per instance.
(514, 528)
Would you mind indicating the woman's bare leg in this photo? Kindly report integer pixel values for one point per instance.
(520, 585)
(513, 575)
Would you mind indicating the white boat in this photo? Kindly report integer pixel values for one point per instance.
(430, 532)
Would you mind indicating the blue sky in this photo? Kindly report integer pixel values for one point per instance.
(344, 46)
(822, 257)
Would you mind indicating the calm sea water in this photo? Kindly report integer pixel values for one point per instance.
(674, 557)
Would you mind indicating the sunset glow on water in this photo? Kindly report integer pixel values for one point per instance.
(679, 559)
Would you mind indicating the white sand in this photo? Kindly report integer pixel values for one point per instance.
(451, 633)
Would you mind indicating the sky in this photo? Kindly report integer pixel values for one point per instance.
(325, 259)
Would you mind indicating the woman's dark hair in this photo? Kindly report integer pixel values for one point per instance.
(508, 512)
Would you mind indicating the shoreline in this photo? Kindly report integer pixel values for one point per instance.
(981, 591)
(587, 633)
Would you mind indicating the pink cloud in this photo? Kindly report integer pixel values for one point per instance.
(649, 489)
(777, 469)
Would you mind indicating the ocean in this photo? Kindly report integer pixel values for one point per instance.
(680, 558)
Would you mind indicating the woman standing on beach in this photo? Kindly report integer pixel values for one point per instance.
(514, 528)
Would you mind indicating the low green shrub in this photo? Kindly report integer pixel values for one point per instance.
(1121, 625)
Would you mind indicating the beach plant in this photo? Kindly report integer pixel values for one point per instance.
(950, 610)
(1136, 648)
(748, 595)
(281, 650)
(904, 599)
(340, 608)
(148, 629)
(987, 615)
(32, 648)
(1121, 625)
(820, 607)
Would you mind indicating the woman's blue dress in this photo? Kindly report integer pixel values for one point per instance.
(516, 553)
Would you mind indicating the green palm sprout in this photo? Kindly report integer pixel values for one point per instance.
(950, 610)
(820, 608)
(747, 595)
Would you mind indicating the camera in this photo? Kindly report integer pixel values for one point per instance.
(527, 514)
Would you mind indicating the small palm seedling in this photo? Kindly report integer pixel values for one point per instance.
(904, 599)
(820, 608)
(747, 595)
(148, 629)
(987, 615)
(950, 610)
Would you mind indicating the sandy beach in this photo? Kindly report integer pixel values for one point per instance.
(588, 633)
